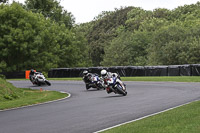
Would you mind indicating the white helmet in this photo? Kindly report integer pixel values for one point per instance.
(103, 73)
(85, 72)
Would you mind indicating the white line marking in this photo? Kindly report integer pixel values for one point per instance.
(144, 117)
(69, 95)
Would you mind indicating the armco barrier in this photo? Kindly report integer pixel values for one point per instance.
(128, 71)
(185, 70)
(195, 70)
(124, 71)
(13, 75)
(174, 70)
(156, 70)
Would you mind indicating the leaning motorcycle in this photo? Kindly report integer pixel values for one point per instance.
(93, 81)
(116, 86)
(39, 79)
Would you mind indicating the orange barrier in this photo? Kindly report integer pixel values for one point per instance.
(27, 73)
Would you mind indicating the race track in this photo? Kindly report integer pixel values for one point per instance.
(90, 111)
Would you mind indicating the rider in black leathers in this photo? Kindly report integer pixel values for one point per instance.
(87, 78)
(32, 76)
(91, 80)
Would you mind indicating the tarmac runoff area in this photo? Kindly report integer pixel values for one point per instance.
(94, 111)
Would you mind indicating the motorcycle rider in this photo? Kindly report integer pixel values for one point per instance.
(106, 76)
(32, 72)
(32, 75)
(86, 75)
(92, 80)
(87, 78)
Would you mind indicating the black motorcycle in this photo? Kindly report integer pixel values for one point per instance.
(93, 81)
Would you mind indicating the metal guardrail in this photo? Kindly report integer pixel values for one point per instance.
(130, 71)
(123, 71)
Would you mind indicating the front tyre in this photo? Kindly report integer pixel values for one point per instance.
(48, 83)
(38, 83)
(121, 91)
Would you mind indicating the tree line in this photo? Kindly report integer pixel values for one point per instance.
(41, 34)
(133, 36)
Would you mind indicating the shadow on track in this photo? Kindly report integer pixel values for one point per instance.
(113, 96)
(91, 90)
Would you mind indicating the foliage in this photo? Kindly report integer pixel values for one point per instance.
(133, 36)
(42, 35)
(51, 9)
(3, 1)
(103, 30)
(7, 91)
(29, 40)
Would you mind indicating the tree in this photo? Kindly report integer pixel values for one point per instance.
(3, 1)
(23, 39)
(166, 38)
(193, 51)
(135, 17)
(103, 30)
(162, 13)
(127, 49)
(51, 9)
(118, 52)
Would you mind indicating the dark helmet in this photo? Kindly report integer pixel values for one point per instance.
(85, 72)
(32, 71)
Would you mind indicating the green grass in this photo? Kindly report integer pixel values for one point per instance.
(164, 78)
(11, 97)
(148, 78)
(185, 119)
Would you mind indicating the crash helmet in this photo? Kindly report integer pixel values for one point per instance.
(85, 72)
(32, 71)
(103, 73)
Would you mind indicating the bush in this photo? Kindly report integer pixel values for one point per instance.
(8, 97)
(2, 76)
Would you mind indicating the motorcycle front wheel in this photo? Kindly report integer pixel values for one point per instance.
(48, 83)
(123, 92)
(37, 82)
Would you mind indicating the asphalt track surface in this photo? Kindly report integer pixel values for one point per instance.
(90, 111)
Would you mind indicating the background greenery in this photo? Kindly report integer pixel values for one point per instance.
(43, 35)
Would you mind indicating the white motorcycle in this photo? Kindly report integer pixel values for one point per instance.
(117, 86)
(39, 79)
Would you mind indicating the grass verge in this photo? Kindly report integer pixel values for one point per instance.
(184, 119)
(164, 78)
(147, 78)
(12, 97)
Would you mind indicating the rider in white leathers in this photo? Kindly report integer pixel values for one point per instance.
(106, 76)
